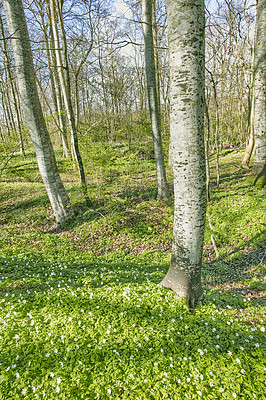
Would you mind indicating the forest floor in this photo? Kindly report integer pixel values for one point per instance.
(82, 315)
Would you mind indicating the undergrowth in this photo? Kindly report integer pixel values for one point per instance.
(82, 314)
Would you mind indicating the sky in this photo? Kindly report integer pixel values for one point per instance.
(122, 9)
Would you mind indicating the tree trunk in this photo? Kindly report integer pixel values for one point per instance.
(59, 101)
(33, 112)
(105, 98)
(4, 109)
(260, 91)
(153, 98)
(207, 137)
(217, 126)
(66, 90)
(186, 48)
(76, 80)
(251, 109)
(156, 55)
(250, 141)
(55, 85)
(12, 84)
(9, 112)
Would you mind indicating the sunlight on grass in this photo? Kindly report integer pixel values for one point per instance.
(77, 331)
(82, 315)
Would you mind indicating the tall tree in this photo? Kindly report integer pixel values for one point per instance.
(260, 91)
(32, 110)
(12, 84)
(186, 47)
(251, 107)
(64, 75)
(217, 126)
(147, 17)
(54, 78)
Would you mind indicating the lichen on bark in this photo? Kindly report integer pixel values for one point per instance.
(186, 48)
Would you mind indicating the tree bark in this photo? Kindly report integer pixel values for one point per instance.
(260, 91)
(4, 109)
(33, 113)
(56, 12)
(186, 49)
(81, 63)
(250, 141)
(147, 14)
(55, 85)
(12, 84)
(251, 109)
(207, 138)
(105, 97)
(217, 126)
(8, 110)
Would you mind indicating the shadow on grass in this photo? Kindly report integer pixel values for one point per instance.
(120, 202)
(239, 260)
(18, 274)
(233, 272)
(18, 209)
(26, 173)
(140, 194)
(143, 333)
(231, 266)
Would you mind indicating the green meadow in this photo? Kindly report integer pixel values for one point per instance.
(82, 314)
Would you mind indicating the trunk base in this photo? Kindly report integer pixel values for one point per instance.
(260, 174)
(193, 293)
(162, 197)
(245, 165)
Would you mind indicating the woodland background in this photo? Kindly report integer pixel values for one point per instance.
(81, 313)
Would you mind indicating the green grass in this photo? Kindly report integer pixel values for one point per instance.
(81, 313)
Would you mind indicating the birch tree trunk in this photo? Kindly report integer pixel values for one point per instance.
(147, 14)
(32, 110)
(186, 48)
(260, 92)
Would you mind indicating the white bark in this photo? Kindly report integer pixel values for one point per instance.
(207, 138)
(55, 84)
(251, 109)
(260, 91)
(186, 47)
(12, 84)
(33, 112)
(153, 98)
(56, 13)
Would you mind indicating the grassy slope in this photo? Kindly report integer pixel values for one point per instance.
(81, 313)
